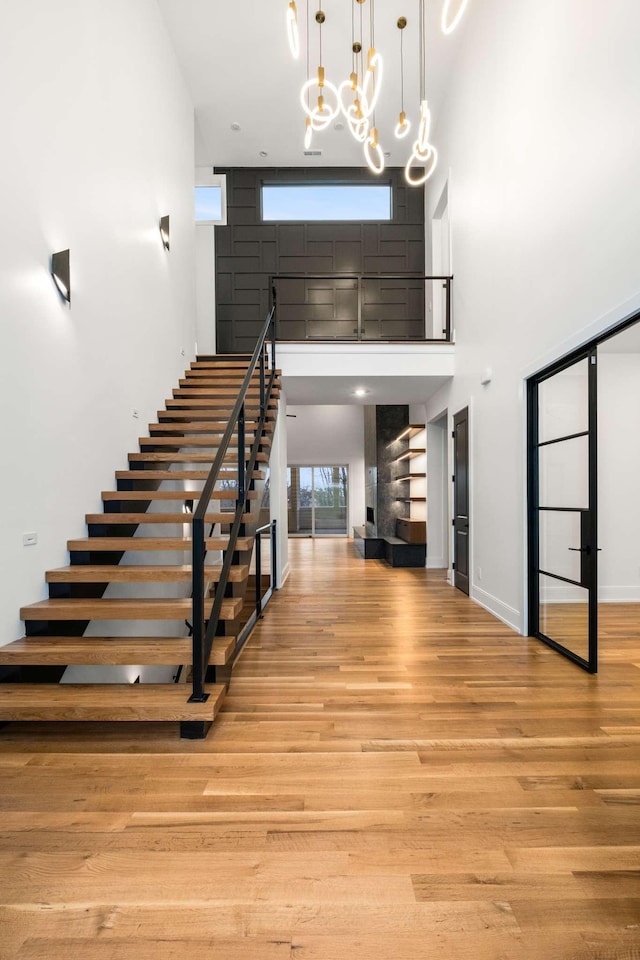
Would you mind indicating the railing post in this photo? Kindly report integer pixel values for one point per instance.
(262, 390)
(274, 554)
(274, 299)
(258, 575)
(198, 553)
(448, 319)
(242, 493)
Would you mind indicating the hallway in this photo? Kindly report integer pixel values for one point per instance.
(394, 775)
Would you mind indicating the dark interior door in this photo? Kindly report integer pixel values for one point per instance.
(461, 500)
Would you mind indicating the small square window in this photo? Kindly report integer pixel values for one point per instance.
(210, 198)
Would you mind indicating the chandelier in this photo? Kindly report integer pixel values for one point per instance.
(356, 97)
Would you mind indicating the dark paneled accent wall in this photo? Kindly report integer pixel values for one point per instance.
(382, 425)
(249, 251)
(390, 421)
(371, 468)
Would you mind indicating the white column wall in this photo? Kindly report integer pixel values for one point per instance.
(97, 146)
(539, 140)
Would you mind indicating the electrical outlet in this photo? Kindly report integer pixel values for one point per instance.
(479, 573)
(29, 539)
(135, 414)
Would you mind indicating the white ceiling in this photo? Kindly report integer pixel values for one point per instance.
(380, 390)
(236, 62)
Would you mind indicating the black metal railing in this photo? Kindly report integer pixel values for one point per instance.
(205, 627)
(272, 528)
(358, 306)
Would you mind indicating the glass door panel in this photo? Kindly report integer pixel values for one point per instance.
(563, 555)
(564, 615)
(317, 500)
(330, 500)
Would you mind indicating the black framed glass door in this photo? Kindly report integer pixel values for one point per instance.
(563, 608)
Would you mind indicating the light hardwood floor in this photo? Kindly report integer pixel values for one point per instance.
(394, 775)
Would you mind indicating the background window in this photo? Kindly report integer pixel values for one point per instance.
(326, 201)
(210, 197)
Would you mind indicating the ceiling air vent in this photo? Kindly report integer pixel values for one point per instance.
(313, 153)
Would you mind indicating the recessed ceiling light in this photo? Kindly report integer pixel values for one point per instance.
(387, 154)
(338, 126)
(263, 153)
(236, 127)
(360, 392)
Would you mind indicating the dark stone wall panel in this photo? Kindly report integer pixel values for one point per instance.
(249, 251)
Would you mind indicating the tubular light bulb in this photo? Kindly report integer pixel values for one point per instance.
(373, 153)
(347, 87)
(424, 129)
(327, 113)
(292, 30)
(449, 25)
(308, 134)
(373, 76)
(428, 159)
(403, 126)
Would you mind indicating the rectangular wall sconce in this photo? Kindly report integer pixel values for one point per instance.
(61, 273)
(164, 231)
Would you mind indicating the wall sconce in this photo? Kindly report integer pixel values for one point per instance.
(164, 232)
(61, 273)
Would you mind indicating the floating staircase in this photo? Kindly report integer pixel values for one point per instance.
(160, 487)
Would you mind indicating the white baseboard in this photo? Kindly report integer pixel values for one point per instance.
(619, 594)
(436, 563)
(286, 570)
(502, 611)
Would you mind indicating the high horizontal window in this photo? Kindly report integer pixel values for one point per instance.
(326, 201)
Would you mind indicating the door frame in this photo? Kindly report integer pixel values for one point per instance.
(467, 411)
(588, 353)
(331, 466)
(531, 384)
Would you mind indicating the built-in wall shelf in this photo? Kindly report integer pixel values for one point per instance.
(410, 454)
(411, 529)
(411, 431)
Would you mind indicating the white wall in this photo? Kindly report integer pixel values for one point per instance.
(97, 145)
(332, 435)
(540, 141)
(278, 481)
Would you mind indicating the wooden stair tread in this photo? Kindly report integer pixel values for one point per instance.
(119, 651)
(213, 427)
(106, 702)
(100, 544)
(197, 440)
(222, 406)
(187, 457)
(112, 519)
(231, 493)
(139, 608)
(178, 475)
(138, 573)
(202, 415)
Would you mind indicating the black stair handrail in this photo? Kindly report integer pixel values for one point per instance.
(204, 632)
